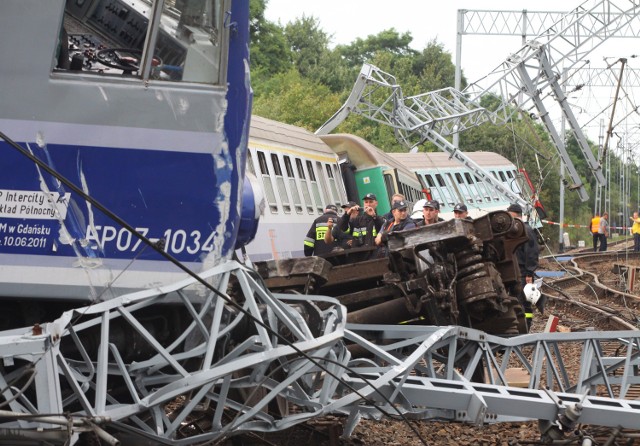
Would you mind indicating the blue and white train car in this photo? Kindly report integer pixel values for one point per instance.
(143, 106)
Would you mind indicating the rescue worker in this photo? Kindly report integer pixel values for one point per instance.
(635, 230)
(603, 231)
(460, 211)
(388, 217)
(527, 256)
(363, 227)
(314, 243)
(595, 226)
(334, 236)
(431, 213)
(400, 222)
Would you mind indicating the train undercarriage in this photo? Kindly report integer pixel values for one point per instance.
(459, 272)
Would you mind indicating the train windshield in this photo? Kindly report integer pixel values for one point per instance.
(170, 40)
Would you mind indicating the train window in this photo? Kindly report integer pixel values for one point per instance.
(293, 187)
(509, 174)
(112, 37)
(264, 169)
(269, 192)
(482, 187)
(305, 186)
(315, 188)
(446, 190)
(333, 185)
(430, 181)
(325, 191)
(435, 191)
(473, 187)
(454, 193)
(288, 166)
(282, 188)
(463, 188)
(502, 177)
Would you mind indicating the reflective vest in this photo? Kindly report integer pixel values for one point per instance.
(595, 224)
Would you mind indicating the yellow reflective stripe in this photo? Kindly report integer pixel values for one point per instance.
(311, 243)
(528, 315)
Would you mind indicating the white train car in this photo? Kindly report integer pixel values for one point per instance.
(448, 182)
(299, 176)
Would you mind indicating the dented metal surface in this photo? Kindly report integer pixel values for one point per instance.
(457, 272)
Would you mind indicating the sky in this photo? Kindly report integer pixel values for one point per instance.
(346, 20)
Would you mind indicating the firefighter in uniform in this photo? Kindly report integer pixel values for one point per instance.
(527, 255)
(363, 227)
(314, 243)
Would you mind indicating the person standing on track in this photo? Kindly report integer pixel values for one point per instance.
(635, 230)
(595, 227)
(603, 231)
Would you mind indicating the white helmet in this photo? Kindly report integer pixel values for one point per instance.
(416, 213)
(532, 293)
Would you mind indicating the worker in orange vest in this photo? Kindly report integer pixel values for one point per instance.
(595, 228)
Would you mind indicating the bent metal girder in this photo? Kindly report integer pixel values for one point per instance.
(227, 374)
(524, 76)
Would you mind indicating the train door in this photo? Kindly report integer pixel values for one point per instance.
(391, 185)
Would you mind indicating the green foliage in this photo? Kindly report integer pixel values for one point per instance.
(290, 98)
(269, 53)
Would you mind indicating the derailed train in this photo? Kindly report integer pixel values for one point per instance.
(298, 173)
(450, 274)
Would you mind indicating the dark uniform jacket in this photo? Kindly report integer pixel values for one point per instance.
(528, 254)
(314, 241)
(390, 227)
(420, 223)
(363, 228)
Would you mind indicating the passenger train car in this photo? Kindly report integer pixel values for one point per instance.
(300, 173)
(448, 182)
(142, 106)
(367, 169)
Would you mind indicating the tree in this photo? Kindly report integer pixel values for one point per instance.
(289, 97)
(269, 52)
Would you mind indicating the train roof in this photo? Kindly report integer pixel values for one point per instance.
(441, 160)
(273, 133)
(362, 153)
